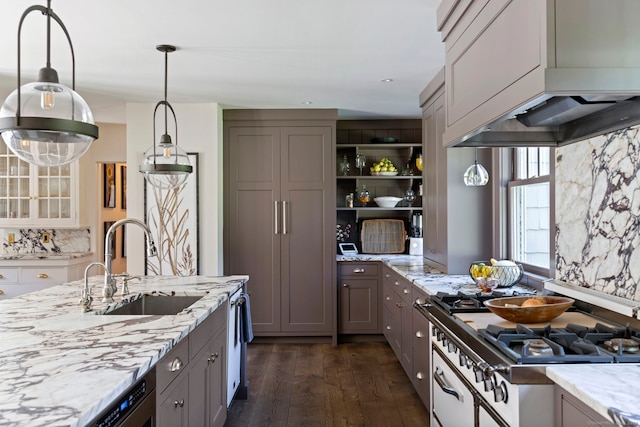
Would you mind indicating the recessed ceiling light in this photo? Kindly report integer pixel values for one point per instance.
(306, 102)
(386, 80)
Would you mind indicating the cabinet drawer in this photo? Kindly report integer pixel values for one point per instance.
(356, 270)
(8, 275)
(207, 329)
(48, 275)
(401, 285)
(172, 364)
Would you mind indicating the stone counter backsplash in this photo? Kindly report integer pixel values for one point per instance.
(598, 213)
(30, 240)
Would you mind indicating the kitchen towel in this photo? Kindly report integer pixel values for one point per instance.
(246, 330)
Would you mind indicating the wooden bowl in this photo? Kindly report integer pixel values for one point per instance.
(510, 308)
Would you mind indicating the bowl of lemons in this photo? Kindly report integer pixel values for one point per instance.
(506, 272)
(384, 167)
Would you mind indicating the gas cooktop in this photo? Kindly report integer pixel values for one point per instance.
(470, 303)
(570, 344)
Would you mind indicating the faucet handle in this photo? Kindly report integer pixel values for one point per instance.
(125, 280)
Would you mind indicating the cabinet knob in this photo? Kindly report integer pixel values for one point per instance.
(358, 270)
(388, 328)
(179, 403)
(419, 334)
(396, 283)
(388, 298)
(344, 285)
(43, 276)
(420, 376)
(213, 357)
(405, 290)
(176, 365)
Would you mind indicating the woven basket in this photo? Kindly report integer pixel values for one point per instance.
(383, 236)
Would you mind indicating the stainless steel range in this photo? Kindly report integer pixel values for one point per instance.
(490, 372)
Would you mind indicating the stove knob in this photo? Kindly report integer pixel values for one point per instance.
(463, 359)
(500, 393)
(451, 347)
(445, 341)
(488, 384)
(477, 372)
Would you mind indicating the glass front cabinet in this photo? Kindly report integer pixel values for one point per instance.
(36, 195)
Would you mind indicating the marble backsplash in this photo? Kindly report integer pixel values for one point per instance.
(31, 240)
(598, 213)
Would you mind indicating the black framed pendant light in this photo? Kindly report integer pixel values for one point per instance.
(44, 122)
(166, 165)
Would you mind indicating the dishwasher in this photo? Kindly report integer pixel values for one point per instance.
(234, 345)
(134, 408)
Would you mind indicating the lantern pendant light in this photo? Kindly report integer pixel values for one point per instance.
(476, 175)
(165, 165)
(44, 122)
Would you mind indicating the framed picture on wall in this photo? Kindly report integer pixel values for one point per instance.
(172, 216)
(109, 180)
(123, 186)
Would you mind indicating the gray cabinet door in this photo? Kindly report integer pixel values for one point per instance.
(253, 247)
(281, 224)
(308, 235)
(358, 305)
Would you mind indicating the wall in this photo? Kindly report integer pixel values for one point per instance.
(598, 213)
(200, 131)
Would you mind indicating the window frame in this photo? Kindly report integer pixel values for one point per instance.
(504, 168)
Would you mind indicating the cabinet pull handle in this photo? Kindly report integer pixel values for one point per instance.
(176, 365)
(438, 375)
(275, 215)
(43, 276)
(179, 403)
(358, 270)
(284, 217)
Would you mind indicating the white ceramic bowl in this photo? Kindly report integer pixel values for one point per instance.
(387, 201)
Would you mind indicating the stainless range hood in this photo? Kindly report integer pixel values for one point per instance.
(558, 120)
(539, 72)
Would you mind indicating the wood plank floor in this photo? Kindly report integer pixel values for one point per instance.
(305, 385)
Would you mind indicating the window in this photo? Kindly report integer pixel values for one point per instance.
(530, 209)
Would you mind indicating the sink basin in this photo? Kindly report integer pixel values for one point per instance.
(158, 305)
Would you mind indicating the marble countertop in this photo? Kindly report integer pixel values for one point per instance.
(430, 280)
(612, 390)
(44, 255)
(62, 367)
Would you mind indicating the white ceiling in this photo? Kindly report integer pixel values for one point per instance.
(239, 53)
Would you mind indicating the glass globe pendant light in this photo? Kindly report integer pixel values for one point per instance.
(44, 122)
(165, 165)
(476, 175)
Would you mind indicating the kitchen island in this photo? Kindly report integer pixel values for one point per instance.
(62, 367)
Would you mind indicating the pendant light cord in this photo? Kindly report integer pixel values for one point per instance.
(48, 33)
(166, 72)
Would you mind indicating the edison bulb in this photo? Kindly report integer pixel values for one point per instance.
(47, 99)
(166, 152)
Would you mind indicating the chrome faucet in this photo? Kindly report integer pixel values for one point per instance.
(109, 278)
(85, 297)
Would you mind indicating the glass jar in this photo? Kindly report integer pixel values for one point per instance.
(345, 167)
(348, 200)
(363, 196)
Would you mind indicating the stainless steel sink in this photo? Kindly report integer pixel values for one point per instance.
(158, 305)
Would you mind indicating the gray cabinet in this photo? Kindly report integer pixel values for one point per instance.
(421, 349)
(280, 218)
(397, 316)
(191, 378)
(359, 304)
(457, 223)
(571, 412)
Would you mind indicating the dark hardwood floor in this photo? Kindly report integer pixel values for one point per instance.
(357, 384)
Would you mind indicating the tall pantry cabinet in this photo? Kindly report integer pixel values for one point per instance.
(280, 216)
